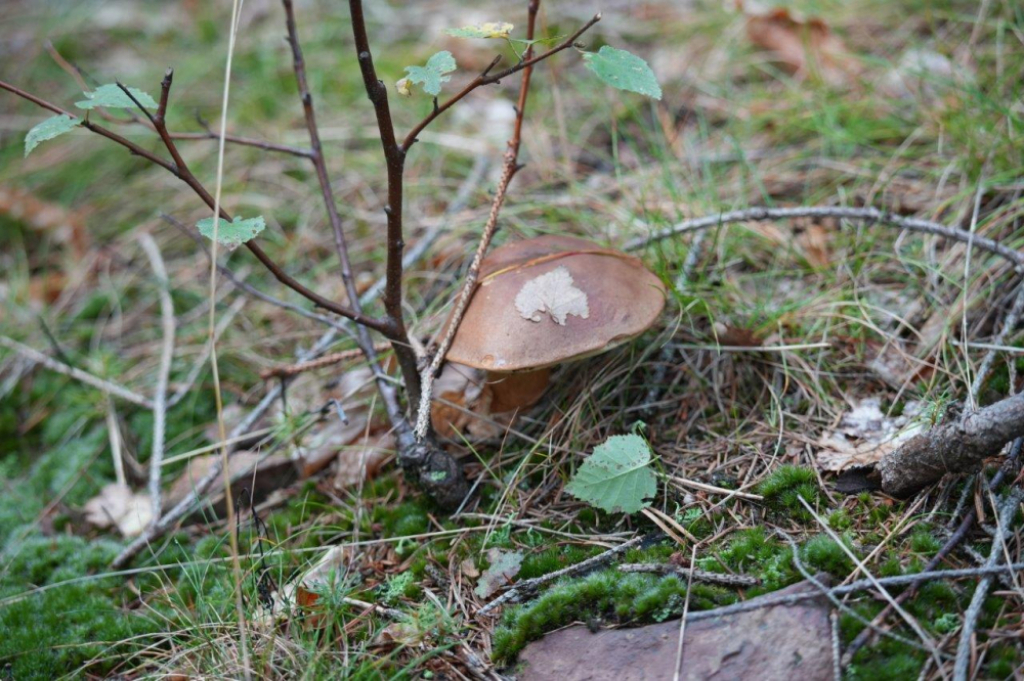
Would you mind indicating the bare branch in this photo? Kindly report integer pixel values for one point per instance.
(487, 78)
(77, 374)
(156, 457)
(469, 286)
(395, 331)
(394, 159)
(201, 487)
(180, 170)
(860, 214)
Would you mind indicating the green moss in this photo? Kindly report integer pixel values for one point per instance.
(632, 598)
(784, 488)
(554, 559)
(840, 520)
(922, 541)
(823, 553)
(1001, 661)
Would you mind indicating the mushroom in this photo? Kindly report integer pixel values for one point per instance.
(549, 300)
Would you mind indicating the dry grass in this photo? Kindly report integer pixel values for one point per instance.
(873, 313)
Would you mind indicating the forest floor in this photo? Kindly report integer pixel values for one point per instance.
(790, 344)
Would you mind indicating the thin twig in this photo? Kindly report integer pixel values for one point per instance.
(469, 286)
(314, 364)
(678, 667)
(529, 586)
(182, 172)
(860, 214)
(853, 587)
(698, 575)
(243, 141)
(199, 490)
(395, 333)
(487, 78)
(156, 456)
(1006, 511)
(77, 374)
(1009, 325)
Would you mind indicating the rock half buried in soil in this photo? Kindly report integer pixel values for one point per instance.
(786, 642)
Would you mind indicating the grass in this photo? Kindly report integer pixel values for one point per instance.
(734, 130)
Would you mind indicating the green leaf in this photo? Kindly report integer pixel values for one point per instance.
(617, 477)
(491, 29)
(433, 74)
(235, 233)
(111, 96)
(48, 129)
(623, 70)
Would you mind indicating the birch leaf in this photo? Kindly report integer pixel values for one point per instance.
(617, 477)
(48, 129)
(235, 233)
(552, 293)
(623, 70)
(111, 96)
(490, 29)
(432, 75)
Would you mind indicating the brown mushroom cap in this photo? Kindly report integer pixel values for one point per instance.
(623, 298)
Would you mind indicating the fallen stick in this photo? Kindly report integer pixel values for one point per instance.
(698, 575)
(1009, 468)
(955, 447)
(1007, 510)
(156, 457)
(530, 585)
(859, 214)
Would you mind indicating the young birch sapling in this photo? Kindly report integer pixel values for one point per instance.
(424, 461)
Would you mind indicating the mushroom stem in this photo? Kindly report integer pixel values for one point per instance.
(516, 391)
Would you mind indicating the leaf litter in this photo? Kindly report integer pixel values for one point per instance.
(865, 434)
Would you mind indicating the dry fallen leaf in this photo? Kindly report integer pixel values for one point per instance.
(865, 435)
(65, 226)
(362, 460)
(813, 241)
(552, 293)
(803, 45)
(504, 565)
(469, 568)
(117, 505)
(329, 572)
(272, 473)
(457, 393)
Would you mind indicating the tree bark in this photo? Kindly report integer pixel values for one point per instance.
(954, 447)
